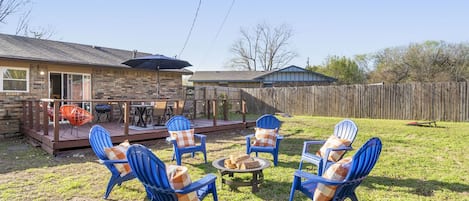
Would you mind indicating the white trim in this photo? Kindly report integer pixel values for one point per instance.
(27, 79)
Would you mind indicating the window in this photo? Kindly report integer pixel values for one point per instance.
(14, 79)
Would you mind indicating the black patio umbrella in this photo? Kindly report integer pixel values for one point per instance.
(157, 62)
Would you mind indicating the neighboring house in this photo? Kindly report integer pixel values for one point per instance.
(35, 68)
(288, 76)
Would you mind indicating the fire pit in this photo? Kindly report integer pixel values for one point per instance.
(257, 175)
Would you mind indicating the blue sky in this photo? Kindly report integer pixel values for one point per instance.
(321, 28)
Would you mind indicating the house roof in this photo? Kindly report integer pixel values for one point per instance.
(24, 48)
(231, 76)
(251, 76)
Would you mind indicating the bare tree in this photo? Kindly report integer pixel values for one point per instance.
(9, 7)
(431, 61)
(263, 48)
(24, 28)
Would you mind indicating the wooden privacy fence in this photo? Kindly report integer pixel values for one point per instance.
(447, 101)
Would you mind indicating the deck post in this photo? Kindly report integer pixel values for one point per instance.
(195, 110)
(126, 117)
(214, 108)
(25, 123)
(56, 121)
(30, 114)
(37, 117)
(45, 119)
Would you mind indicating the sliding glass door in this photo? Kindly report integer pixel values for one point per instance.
(70, 86)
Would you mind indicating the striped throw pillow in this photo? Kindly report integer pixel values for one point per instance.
(184, 138)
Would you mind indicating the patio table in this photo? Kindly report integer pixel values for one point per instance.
(140, 111)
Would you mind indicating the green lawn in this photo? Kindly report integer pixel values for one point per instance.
(416, 163)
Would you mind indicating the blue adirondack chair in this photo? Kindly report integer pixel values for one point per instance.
(99, 139)
(362, 163)
(266, 121)
(346, 129)
(151, 171)
(179, 123)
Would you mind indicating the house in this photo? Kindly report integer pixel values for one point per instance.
(288, 76)
(36, 68)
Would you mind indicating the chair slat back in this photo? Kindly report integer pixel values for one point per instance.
(99, 139)
(151, 171)
(268, 121)
(178, 123)
(346, 129)
(362, 163)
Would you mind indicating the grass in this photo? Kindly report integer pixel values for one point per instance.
(417, 163)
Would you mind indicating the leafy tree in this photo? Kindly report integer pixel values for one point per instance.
(347, 71)
(262, 48)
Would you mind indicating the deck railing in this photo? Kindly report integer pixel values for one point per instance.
(38, 115)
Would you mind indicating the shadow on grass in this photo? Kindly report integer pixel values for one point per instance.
(415, 186)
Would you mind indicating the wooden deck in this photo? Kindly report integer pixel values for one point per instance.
(76, 138)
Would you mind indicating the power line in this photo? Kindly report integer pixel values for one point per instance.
(192, 26)
(219, 31)
(224, 20)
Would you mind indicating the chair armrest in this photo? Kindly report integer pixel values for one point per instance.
(306, 144)
(316, 178)
(201, 137)
(170, 140)
(112, 161)
(279, 137)
(248, 137)
(209, 178)
(329, 150)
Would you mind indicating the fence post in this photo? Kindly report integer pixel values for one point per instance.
(225, 110)
(208, 109)
(243, 110)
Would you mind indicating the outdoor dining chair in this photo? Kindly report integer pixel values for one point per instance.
(351, 174)
(345, 129)
(267, 121)
(75, 115)
(159, 110)
(181, 125)
(99, 140)
(152, 172)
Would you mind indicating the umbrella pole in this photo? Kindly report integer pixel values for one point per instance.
(158, 82)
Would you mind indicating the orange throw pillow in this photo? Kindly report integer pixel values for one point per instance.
(183, 138)
(119, 153)
(266, 137)
(333, 142)
(336, 172)
(178, 179)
